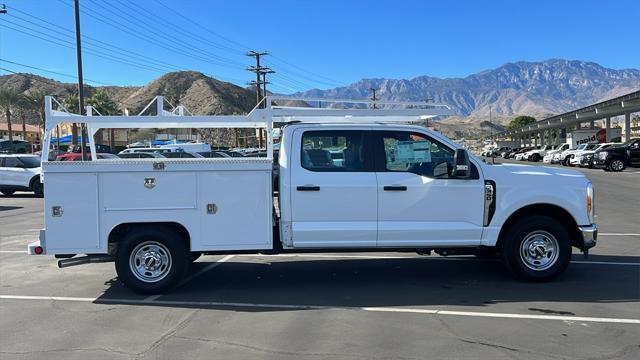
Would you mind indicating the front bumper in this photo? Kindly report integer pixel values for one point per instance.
(589, 236)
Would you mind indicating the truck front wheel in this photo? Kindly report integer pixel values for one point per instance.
(537, 248)
(151, 260)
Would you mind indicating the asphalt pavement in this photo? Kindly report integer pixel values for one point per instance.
(328, 306)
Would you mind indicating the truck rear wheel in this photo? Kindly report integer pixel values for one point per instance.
(616, 165)
(537, 248)
(151, 260)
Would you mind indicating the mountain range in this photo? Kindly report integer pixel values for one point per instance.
(521, 88)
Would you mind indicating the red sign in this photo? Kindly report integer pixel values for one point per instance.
(601, 135)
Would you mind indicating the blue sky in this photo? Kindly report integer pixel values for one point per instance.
(313, 43)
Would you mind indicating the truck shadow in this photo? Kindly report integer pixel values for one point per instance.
(244, 282)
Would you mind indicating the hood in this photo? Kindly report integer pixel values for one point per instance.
(546, 173)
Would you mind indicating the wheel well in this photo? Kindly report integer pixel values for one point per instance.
(552, 211)
(118, 232)
(33, 179)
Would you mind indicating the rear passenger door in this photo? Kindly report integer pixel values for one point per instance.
(333, 190)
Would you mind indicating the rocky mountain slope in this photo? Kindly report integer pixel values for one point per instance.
(531, 88)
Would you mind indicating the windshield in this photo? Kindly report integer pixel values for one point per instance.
(581, 146)
(30, 161)
(591, 146)
(628, 142)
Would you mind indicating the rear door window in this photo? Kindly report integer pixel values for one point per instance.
(335, 151)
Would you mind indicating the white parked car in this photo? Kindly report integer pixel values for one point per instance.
(574, 157)
(349, 180)
(565, 156)
(20, 172)
(585, 157)
(537, 154)
(550, 156)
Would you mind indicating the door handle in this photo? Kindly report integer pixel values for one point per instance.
(395, 188)
(308, 188)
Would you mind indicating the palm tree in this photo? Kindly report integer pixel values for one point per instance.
(10, 101)
(105, 106)
(37, 97)
(71, 104)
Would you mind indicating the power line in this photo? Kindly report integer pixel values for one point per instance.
(53, 72)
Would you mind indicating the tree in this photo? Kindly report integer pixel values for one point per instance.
(37, 97)
(105, 106)
(72, 105)
(26, 108)
(10, 101)
(521, 121)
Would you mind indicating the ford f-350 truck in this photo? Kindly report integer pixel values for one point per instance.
(348, 179)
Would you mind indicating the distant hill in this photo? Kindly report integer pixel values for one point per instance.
(199, 93)
(523, 88)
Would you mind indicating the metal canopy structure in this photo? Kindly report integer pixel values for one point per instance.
(605, 110)
(264, 115)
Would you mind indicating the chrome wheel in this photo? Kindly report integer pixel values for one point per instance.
(150, 261)
(617, 165)
(539, 250)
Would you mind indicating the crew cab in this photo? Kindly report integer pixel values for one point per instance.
(585, 158)
(617, 158)
(349, 180)
(538, 154)
(20, 172)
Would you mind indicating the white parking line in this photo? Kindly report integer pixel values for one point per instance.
(13, 251)
(315, 307)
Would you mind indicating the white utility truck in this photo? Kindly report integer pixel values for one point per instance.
(350, 179)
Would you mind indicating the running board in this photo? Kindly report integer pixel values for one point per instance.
(89, 259)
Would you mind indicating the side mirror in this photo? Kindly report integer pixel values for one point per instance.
(461, 164)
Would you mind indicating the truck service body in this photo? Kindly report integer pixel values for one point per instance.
(348, 180)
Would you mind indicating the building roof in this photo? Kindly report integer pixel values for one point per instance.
(18, 127)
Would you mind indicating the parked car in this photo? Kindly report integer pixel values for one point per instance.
(617, 158)
(20, 173)
(585, 158)
(537, 154)
(550, 156)
(214, 154)
(565, 156)
(99, 148)
(141, 155)
(19, 147)
(524, 155)
(78, 156)
(574, 158)
(182, 155)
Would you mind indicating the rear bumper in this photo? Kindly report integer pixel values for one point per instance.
(589, 236)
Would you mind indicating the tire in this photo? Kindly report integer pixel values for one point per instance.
(7, 192)
(38, 188)
(535, 157)
(537, 248)
(164, 250)
(616, 165)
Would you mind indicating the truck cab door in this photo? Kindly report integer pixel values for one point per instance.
(419, 202)
(333, 190)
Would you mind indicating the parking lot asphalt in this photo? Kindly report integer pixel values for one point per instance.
(328, 306)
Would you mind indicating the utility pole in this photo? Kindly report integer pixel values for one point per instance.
(374, 97)
(80, 83)
(258, 70)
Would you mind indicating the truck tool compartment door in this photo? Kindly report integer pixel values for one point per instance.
(419, 204)
(333, 190)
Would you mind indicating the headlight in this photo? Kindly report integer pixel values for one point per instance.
(590, 204)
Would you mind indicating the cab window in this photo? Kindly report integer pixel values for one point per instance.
(333, 151)
(416, 153)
